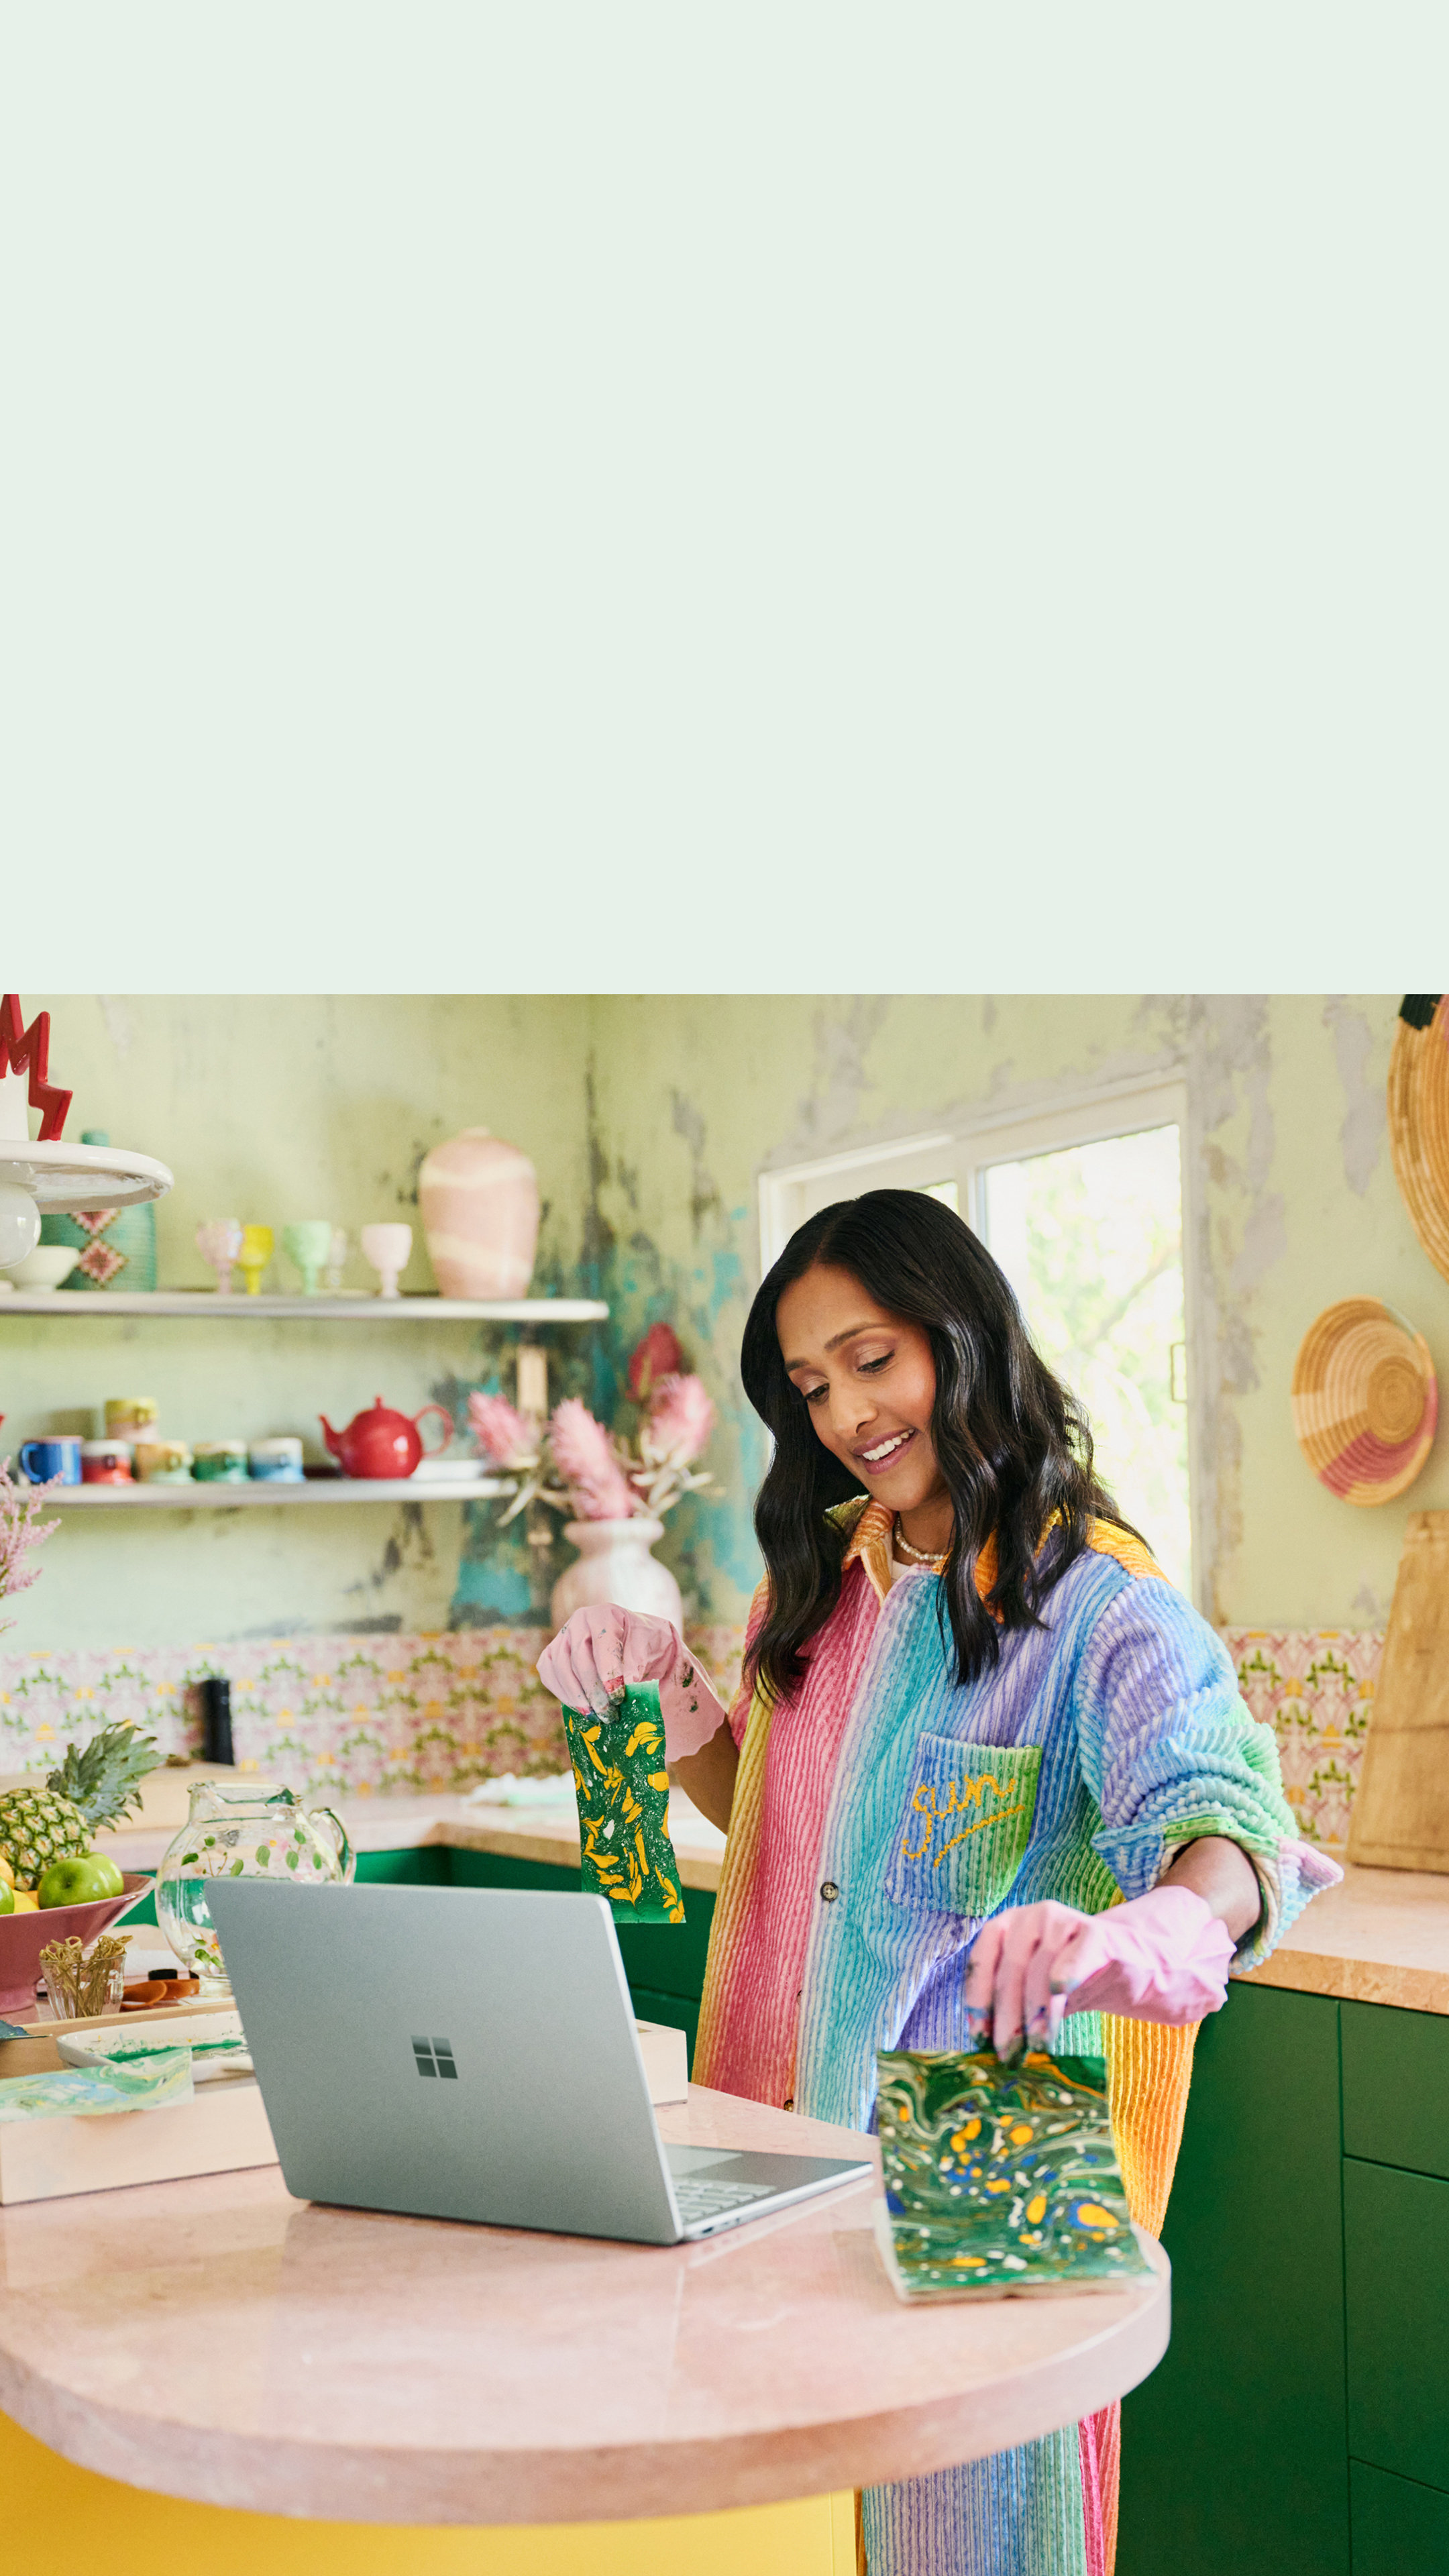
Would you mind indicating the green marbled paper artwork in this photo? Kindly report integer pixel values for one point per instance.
(1001, 2181)
(623, 1794)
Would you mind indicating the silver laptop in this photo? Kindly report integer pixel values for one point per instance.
(455, 2052)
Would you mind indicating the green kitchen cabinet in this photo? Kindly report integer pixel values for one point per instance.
(1234, 2452)
(677, 2012)
(425, 1866)
(1396, 2087)
(1399, 2528)
(1396, 2245)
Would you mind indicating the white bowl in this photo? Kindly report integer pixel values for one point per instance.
(46, 1266)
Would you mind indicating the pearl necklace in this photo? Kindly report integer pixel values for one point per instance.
(917, 1555)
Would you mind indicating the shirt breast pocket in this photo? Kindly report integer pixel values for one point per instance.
(966, 1824)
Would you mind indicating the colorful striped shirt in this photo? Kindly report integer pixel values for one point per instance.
(883, 1811)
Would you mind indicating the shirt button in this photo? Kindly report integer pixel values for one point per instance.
(790, 2105)
(829, 1892)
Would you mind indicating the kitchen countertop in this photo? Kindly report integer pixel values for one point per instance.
(219, 2340)
(544, 1833)
(1381, 1938)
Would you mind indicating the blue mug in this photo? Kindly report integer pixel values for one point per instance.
(42, 1460)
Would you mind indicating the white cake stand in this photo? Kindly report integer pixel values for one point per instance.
(56, 1177)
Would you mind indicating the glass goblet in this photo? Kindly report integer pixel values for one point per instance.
(219, 1243)
(387, 1248)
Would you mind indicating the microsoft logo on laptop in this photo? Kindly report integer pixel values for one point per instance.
(434, 2057)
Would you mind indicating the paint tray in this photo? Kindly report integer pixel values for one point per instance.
(1001, 2180)
(623, 1795)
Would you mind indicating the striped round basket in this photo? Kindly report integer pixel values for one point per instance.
(1419, 1118)
(1365, 1400)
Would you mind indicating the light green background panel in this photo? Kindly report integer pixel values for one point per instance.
(273, 1109)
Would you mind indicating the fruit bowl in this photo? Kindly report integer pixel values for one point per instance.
(24, 1936)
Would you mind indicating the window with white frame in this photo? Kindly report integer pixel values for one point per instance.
(1082, 1205)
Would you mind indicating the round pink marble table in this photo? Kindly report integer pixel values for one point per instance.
(218, 2340)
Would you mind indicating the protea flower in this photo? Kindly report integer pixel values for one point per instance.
(658, 1356)
(584, 1461)
(506, 1438)
(680, 1420)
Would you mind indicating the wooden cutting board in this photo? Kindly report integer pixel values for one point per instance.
(1400, 1817)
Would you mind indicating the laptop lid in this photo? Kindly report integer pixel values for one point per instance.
(449, 2053)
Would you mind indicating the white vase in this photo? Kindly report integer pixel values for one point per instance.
(614, 1564)
(479, 1203)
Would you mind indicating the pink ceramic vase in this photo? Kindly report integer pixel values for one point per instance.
(479, 1204)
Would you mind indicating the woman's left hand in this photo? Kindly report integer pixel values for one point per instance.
(1163, 1958)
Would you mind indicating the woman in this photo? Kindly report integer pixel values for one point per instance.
(944, 1574)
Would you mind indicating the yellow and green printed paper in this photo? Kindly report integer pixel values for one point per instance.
(1001, 2181)
(72, 2092)
(623, 1794)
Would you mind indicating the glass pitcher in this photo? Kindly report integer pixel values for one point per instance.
(240, 1830)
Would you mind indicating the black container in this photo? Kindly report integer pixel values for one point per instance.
(216, 1720)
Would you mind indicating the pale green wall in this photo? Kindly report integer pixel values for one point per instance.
(649, 1120)
(1297, 1207)
(276, 1109)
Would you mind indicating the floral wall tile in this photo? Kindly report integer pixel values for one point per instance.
(363, 1715)
(354, 1714)
(1315, 1688)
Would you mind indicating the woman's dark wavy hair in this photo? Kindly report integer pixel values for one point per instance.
(1013, 1444)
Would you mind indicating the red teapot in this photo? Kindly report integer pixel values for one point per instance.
(380, 1442)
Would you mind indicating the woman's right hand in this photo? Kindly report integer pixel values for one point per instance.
(602, 1651)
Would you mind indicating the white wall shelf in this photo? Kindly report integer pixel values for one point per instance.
(217, 1496)
(167, 1302)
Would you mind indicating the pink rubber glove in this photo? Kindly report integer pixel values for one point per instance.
(598, 1652)
(1165, 1958)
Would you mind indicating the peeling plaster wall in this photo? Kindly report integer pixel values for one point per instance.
(1296, 1206)
(277, 1109)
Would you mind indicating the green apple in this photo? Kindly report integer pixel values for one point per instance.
(112, 1883)
(82, 1881)
(7, 1897)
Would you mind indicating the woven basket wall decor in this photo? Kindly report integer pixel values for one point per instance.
(1419, 1118)
(1365, 1400)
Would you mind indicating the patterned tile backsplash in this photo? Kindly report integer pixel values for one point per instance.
(1315, 1688)
(358, 1714)
(366, 1713)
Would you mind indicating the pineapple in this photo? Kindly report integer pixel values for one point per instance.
(95, 1784)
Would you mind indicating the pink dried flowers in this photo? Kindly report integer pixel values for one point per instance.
(586, 1463)
(21, 1533)
(506, 1437)
(575, 1465)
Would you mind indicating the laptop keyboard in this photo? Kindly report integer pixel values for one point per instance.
(700, 2197)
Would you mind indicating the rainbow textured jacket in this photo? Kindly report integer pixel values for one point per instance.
(882, 1811)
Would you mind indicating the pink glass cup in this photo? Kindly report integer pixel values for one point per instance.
(219, 1242)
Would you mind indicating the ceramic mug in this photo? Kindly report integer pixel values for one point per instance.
(163, 1462)
(106, 1462)
(308, 1246)
(279, 1461)
(47, 1461)
(220, 1462)
(129, 1417)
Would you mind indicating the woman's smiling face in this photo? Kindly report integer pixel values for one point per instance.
(868, 1381)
